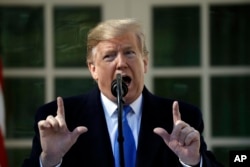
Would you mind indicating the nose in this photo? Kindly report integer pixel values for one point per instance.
(121, 61)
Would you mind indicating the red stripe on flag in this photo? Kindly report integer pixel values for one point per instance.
(3, 153)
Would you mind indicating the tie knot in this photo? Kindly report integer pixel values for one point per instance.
(126, 109)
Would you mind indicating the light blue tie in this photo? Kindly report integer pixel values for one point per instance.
(128, 144)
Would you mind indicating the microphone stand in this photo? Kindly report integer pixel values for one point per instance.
(120, 103)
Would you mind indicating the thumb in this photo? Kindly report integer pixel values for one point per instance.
(163, 134)
(78, 131)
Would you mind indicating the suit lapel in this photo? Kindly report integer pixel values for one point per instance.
(147, 142)
(97, 129)
(150, 144)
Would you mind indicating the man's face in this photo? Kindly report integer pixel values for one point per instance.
(119, 55)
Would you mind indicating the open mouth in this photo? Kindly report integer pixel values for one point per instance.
(127, 80)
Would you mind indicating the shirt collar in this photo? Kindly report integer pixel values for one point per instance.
(110, 107)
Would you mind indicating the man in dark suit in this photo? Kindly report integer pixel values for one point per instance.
(81, 130)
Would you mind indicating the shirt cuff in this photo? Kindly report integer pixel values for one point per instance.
(58, 165)
(185, 165)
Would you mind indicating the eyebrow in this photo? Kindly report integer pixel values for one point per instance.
(128, 47)
(114, 49)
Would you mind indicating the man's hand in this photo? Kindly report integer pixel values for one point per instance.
(55, 137)
(184, 140)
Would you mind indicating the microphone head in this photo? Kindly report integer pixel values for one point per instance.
(114, 85)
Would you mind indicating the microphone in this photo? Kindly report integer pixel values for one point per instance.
(119, 87)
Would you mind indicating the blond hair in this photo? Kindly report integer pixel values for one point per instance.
(114, 28)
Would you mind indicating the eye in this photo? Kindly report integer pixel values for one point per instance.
(130, 53)
(109, 57)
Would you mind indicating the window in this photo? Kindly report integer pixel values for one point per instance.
(182, 48)
(176, 36)
(37, 63)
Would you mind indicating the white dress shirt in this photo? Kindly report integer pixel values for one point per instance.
(111, 114)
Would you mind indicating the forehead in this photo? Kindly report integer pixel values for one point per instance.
(128, 40)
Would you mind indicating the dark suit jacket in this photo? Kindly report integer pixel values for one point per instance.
(93, 149)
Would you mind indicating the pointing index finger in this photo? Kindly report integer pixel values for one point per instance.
(60, 107)
(176, 112)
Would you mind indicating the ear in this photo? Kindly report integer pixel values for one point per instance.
(145, 63)
(92, 69)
